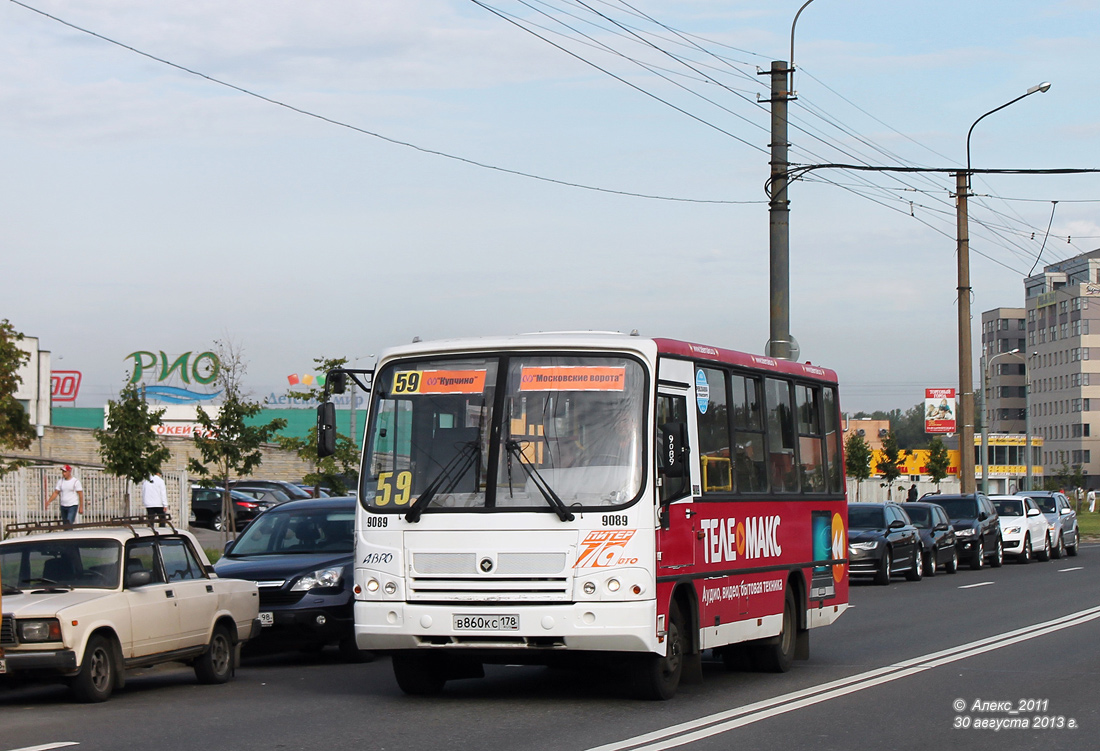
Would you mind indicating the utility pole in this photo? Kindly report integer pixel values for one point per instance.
(966, 362)
(779, 333)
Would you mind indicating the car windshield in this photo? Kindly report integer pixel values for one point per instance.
(299, 531)
(959, 508)
(866, 518)
(82, 564)
(566, 428)
(1013, 507)
(1045, 503)
(920, 516)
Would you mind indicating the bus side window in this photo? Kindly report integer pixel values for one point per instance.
(672, 424)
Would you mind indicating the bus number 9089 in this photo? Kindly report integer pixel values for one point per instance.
(614, 520)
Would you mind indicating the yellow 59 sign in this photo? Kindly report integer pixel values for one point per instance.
(386, 483)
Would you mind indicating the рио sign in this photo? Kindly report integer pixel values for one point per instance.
(161, 377)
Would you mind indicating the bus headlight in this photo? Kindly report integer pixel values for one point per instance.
(372, 585)
(613, 585)
(390, 588)
(589, 588)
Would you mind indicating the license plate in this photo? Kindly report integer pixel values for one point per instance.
(267, 619)
(486, 622)
(3, 666)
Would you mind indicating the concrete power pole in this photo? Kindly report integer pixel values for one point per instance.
(780, 343)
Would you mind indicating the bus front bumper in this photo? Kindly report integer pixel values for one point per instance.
(589, 626)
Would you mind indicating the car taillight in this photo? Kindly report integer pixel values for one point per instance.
(247, 505)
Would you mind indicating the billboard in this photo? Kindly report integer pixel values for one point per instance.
(939, 411)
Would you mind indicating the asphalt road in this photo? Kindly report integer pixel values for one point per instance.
(888, 675)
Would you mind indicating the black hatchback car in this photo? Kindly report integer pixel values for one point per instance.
(882, 542)
(977, 529)
(936, 535)
(300, 555)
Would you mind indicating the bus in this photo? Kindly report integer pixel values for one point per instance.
(562, 497)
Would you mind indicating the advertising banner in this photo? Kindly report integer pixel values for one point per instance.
(939, 411)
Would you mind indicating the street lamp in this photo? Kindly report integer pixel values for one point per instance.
(966, 362)
(1027, 417)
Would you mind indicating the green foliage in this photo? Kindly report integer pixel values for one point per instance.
(938, 460)
(16, 431)
(888, 465)
(227, 445)
(129, 446)
(331, 470)
(857, 457)
(1065, 478)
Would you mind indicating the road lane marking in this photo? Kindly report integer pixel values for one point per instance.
(1075, 568)
(721, 722)
(47, 746)
(979, 584)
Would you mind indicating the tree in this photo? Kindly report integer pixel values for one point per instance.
(887, 466)
(227, 442)
(129, 446)
(332, 470)
(16, 431)
(857, 458)
(938, 460)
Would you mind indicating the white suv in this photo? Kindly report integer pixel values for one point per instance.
(1023, 528)
(83, 603)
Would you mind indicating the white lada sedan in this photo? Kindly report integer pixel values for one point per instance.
(1023, 528)
(83, 603)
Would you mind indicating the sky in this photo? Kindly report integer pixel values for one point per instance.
(372, 194)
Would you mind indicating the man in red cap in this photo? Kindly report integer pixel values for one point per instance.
(71, 494)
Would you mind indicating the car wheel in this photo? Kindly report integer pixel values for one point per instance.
(1044, 554)
(96, 679)
(217, 523)
(1072, 549)
(418, 675)
(1059, 548)
(998, 556)
(979, 556)
(952, 564)
(778, 657)
(930, 562)
(917, 569)
(216, 663)
(657, 677)
(1025, 554)
(882, 576)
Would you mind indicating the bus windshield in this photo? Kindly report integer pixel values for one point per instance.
(565, 428)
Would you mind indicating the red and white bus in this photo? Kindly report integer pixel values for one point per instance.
(542, 497)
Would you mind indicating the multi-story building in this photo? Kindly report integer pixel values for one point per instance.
(1063, 358)
(1004, 347)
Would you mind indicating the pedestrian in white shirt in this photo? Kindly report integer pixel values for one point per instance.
(154, 495)
(70, 495)
(1092, 501)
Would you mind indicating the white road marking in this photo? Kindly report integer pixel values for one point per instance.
(979, 584)
(721, 722)
(47, 746)
(1075, 568)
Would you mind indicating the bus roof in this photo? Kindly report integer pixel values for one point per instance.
(692, 351)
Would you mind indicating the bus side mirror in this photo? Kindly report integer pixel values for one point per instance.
(326, 430)
(339, 382)
(673, 443)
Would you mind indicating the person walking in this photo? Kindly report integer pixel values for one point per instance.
(70, 495)
(912, 496)
(154, 495)
(1092, 501)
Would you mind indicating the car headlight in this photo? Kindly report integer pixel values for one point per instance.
(320, 579)
(46, 629)
(1012, 530)
(871, 545)
(965, 532)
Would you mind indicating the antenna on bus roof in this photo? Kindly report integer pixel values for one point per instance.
(634, 332)
(416, 340)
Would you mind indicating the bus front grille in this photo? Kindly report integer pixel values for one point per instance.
(485, 589)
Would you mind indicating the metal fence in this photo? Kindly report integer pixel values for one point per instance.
(876, 491)
(23, 495)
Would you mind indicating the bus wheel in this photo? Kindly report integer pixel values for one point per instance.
(418, 675)
(777, 654)
(658, 677)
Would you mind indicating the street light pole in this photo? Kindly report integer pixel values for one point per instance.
(966, 362)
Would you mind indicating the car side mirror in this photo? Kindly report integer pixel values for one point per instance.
(228, 546)
(138, 578)
(982, 516)
(1066, 510)
(897, 524)
(326, 429)
(941, 527)
(1034, 512)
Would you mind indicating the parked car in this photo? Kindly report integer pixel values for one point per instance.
(936, 535)
(977, 532)
(882, 542)
(1061, 520)
(1022, 525)
(269, 496)
(292, 491)
(206, 507)
(84, 603)
(300, 555)
(321, 491)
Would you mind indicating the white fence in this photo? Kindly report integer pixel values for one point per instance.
(23, 495)
(877, 491)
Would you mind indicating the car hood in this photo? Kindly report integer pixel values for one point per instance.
(266, 567)
(865, 535)
(49, 603)
(964, 523)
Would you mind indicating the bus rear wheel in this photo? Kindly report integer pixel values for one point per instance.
(657, 677)
(777, 654)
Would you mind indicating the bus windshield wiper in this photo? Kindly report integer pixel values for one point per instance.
(9, 589)
(548, 493)
(453, 471)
